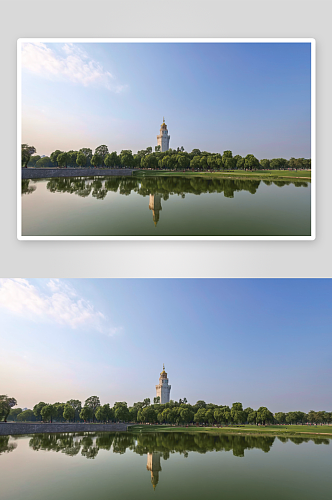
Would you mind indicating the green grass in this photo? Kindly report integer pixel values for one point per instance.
(275, 430)
(238, 174)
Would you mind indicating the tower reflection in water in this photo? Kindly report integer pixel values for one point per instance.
(154, 467)
(155, 206)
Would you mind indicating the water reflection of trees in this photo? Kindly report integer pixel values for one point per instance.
(164, 443)
(27, 188)
(98, 187)
(5, 445)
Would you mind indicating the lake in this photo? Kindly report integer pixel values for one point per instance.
(165, 206)
(165, 465)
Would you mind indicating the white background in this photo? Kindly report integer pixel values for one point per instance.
(168, 18)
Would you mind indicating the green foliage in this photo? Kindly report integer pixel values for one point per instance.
(33, 160)
(63, 159)
(101, 151)
(96, 160)
(264, 415)
(6, 404)
(85, 413)
(126, 158)
(26, 152)
(265, 164)
(112, 160)
(47, 412)
(251, 162)
(81, 160)
(25, 416)
(121, 412)
(68, 412)
(38, 408)
(54, 156)
(92, 402)
(13, 414)
(44, 162)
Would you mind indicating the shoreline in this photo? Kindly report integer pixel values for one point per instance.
(48, 173)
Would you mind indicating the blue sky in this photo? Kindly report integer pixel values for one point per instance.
(246, 97)
(264, 342)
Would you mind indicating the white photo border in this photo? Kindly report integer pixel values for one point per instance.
(312, 42)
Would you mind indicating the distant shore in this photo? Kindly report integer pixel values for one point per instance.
(269, 175)
(272, 430)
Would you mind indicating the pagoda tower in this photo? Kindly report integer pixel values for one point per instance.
(163, 138)
(163, 389)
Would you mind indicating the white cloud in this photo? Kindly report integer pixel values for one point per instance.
(75, 66)
(60, 303)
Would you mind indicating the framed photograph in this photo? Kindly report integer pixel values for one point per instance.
(166, 139)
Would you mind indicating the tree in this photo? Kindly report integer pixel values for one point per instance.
(199, 416)
(148, 415)
(33, 160)
(54, 156)
(237, 413)
(252, 417)
(58, 410)
(96, 160)
(92, 402)
(186, 415)
(183, 161)
(72, 158)
(6, 404)
(77, 405)
(44, 162)
(68, 412)
(264, 415)
(63, 159)
(280, 417)
(195, 162)
(47, 412)
(121, 412)
(26, 152)
(156, 400)
(112, 160)
(104, 413)
(229, 163)
(13, 413)
(101, 151)
(88, 155)
(225, 155)
(209, 416)
(37, 409)
(251, 162)
(126, 158)
(26, 415)
(85, 413)
(265, 164)
(157, 149)
(239, 162)
(81, 160)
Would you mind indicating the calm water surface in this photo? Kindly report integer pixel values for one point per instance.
(164, 206)
(164, 465)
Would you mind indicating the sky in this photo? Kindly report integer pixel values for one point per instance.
(250, 98)
(262, 342)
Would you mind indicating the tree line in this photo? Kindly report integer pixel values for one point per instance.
(173, 159)
(175, 412)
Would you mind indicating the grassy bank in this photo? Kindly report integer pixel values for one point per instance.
(304, 175)
(275, 430)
